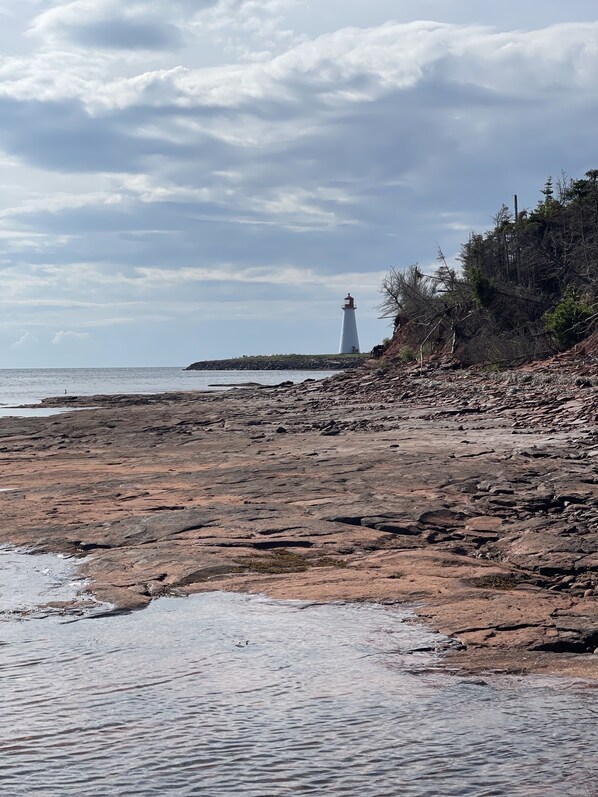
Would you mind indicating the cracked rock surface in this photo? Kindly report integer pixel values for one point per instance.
(471, 495)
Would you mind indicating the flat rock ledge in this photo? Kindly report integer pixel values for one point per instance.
(471, 496)
(283, 362)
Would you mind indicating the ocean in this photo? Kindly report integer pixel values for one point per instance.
(31, 385)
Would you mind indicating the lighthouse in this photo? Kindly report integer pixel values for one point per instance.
(349, 339)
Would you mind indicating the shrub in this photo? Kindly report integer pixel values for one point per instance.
(482, 289)
(407, 355)
(568, 321)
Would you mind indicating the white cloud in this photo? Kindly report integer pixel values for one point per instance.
(60, 201)
(249, 30)
(284, 275)
(66, 337)
(26, 339)
(334, 66)
(348, 66)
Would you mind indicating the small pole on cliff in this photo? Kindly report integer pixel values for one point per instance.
(517, 250)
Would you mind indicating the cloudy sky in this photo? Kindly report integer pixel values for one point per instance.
(186, 179)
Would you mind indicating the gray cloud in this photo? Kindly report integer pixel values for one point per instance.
(127, 34)
(138, 25)
(107, 24)
(144, 196)
(63, 136)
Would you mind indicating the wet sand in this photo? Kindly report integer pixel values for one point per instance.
(471, 496)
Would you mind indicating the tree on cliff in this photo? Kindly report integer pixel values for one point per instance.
(526, 287)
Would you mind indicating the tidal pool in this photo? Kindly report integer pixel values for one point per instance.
(28, 583)
(221, 694)
(34, 412)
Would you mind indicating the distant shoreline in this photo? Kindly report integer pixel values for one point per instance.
(283, 362)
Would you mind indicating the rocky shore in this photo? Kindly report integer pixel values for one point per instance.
(470, 495)
(283, 362)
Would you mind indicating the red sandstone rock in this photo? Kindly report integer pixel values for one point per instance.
(422, 494)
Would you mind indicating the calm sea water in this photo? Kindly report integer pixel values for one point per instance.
(31, 385)
(221, 695)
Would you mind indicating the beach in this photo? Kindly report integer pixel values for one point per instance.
(469, 496)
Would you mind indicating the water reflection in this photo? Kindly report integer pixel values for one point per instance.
(222, 695)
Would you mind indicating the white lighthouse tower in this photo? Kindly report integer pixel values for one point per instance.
(349, 339)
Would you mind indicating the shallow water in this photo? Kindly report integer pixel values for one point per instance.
(220, 695)
(41, 412)
(31, 385)
(29, 582)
